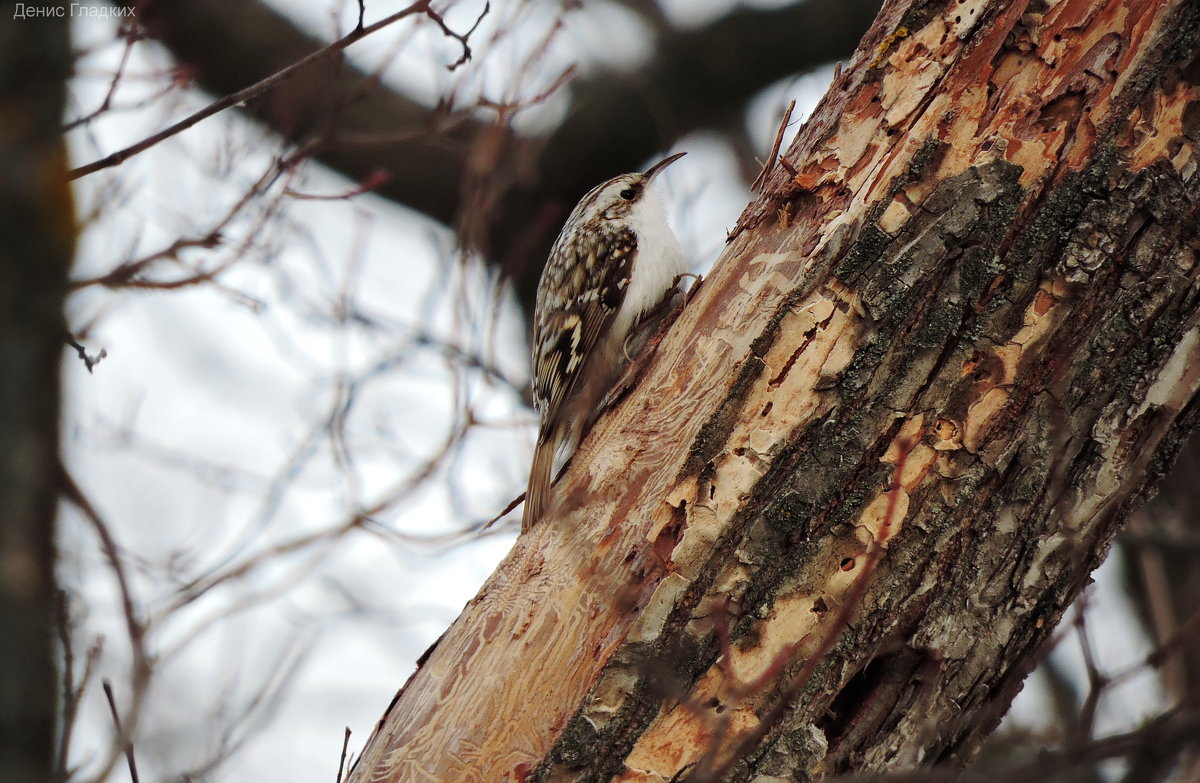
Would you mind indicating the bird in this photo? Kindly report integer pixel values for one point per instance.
(614, 261)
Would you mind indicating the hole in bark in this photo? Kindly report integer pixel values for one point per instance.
(767, 409)
(819, 605)
(879, 691)
(1064, 110)
(847, 563)
(850, 701)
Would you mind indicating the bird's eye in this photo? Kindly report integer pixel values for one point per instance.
(628, 194)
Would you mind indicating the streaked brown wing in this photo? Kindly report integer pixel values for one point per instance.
(584, 291)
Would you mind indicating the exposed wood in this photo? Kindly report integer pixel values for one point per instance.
(951, 347)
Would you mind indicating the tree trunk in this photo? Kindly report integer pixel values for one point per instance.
(36, 245)
(944, 355)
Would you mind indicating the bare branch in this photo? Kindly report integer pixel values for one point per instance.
(140, 666)
(123, 739)
(260, 87)
(761, 180)
(88, 360)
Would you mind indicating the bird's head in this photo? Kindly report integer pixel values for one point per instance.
(620, 197)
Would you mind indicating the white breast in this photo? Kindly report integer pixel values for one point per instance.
(658, 262)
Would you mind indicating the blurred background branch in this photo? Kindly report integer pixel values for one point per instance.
(696, 80)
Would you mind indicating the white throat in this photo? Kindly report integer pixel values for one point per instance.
(658, 262)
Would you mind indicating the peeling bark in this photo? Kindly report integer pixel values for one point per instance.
(947, 352)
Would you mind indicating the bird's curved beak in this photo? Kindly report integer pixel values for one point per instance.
(662, 164)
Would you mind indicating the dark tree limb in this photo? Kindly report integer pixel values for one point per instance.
(38, 230)
(270, 83)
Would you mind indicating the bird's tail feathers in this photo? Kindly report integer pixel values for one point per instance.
(539, 483)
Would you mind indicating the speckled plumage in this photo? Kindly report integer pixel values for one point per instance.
(613, 261)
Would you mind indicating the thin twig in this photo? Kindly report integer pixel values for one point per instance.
(127, 274)
(373, 180)
(1097, 682)
(140, 665)
(127, 742)
(761, 180)
(342, 762)
(462, 39)
(511, 505)
(89, 360)
(254, 90)
(511, 108)
(131, 37)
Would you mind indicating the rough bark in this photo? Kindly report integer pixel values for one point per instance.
(943, 356)
(698, 79)
(36, 224)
